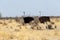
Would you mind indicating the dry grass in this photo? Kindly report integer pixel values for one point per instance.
(17, 31)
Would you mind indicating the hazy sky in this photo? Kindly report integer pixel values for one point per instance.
(31, 7)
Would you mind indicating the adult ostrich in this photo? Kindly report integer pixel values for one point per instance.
(44, 19)
(28, 19)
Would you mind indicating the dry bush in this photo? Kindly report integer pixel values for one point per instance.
(34, 25)
(17, 19)
(1, 23)
(44, 39)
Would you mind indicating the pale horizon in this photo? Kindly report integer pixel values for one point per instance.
(31, 7)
